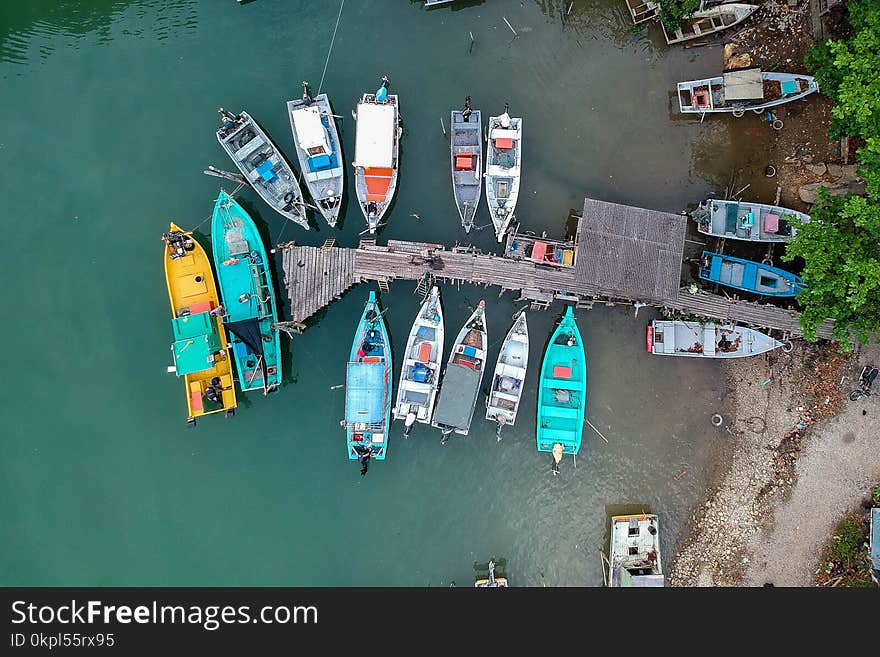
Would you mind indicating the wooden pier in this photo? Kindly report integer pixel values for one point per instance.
(625, 256)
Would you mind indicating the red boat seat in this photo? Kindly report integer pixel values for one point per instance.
(701, 99)
(464, 161)
(771, 223)
(196, 397)
(200, 307)
(504, 143)
(425, 352)
(561, 372)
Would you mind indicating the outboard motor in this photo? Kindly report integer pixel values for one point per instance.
(446, 434)
(408, 422)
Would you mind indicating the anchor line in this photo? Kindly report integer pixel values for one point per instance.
(330, 50)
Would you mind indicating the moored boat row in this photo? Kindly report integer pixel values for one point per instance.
(448, 402)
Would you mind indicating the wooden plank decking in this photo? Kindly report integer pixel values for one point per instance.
(625, 255)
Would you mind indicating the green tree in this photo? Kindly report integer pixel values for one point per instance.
(673, 12)
(841, 250)
(841, 244)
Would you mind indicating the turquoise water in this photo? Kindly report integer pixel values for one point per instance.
(109, 112)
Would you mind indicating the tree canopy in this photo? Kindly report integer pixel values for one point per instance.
(841, 244)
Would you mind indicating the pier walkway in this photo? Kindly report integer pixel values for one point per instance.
(623, 255)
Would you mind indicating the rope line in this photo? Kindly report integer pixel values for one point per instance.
(327, 61)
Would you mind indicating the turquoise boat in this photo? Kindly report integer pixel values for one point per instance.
(562, 393)
(749, 276)
(368, 388)
(247, 294)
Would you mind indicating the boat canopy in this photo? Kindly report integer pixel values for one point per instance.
(248, 331)
(374, 146)
(743, 84)
(195, 341)
(310, 130)
(456, 404)
(365, 393)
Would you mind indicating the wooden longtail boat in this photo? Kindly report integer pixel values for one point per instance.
(248, 296)
(466, 146)
(199, 350)
(508, 381)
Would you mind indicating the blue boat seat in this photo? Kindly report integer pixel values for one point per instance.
(266, 172)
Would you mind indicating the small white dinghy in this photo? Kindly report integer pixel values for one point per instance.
(420, 374)
(677, 338)
(510, 374)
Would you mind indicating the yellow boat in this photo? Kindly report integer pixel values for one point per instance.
(200, 349)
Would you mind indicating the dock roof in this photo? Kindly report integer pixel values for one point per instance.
(631, 252)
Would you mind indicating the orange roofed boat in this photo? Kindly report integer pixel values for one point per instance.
(376, 151)
(200, 349)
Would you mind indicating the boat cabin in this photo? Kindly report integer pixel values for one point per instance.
(312, 135)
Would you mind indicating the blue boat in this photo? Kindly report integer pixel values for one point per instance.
(248, 296)
(562, 393)
(749, 276)
(368, 388)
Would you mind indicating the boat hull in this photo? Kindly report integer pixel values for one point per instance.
(263, 165)
(466, 155)
(420, 370)
(749, 276)
(376, 157)
(248, 296)
(368, 386)
(463, 376)
(562, 392)
(707, 96)
(749, 222)
(508, 380)
(503, 170)
(694, 340)
(634, 554)
(710, 21)
(323, 174)
(192, 293)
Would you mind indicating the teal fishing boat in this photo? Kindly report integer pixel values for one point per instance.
(247, 294)
(749, 276)
(368, 388)
(562, 393)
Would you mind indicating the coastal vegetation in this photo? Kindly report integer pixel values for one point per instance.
(841, 245)
(673, 12)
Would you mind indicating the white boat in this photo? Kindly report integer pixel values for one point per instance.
(262, 164)
(503, 161)
(679, 338)
(319, 151)
(463, 377)
(377, 144)
(751, 222)
(710, 21)
(635, 552)
(743, 89)
(510, 374)
(420, 374)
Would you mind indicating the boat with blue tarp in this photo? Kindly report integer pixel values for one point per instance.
(248, 295)
(562, 392)
(319, 151)
(749, 276)
(368, 388)
(199, 350)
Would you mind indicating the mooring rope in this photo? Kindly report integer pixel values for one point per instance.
(327, 61)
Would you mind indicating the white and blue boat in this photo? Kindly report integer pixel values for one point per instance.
(368, 388)
(248, 296)
(749, 276)
(319, 151)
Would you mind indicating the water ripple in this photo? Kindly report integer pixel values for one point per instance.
(35, 31)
